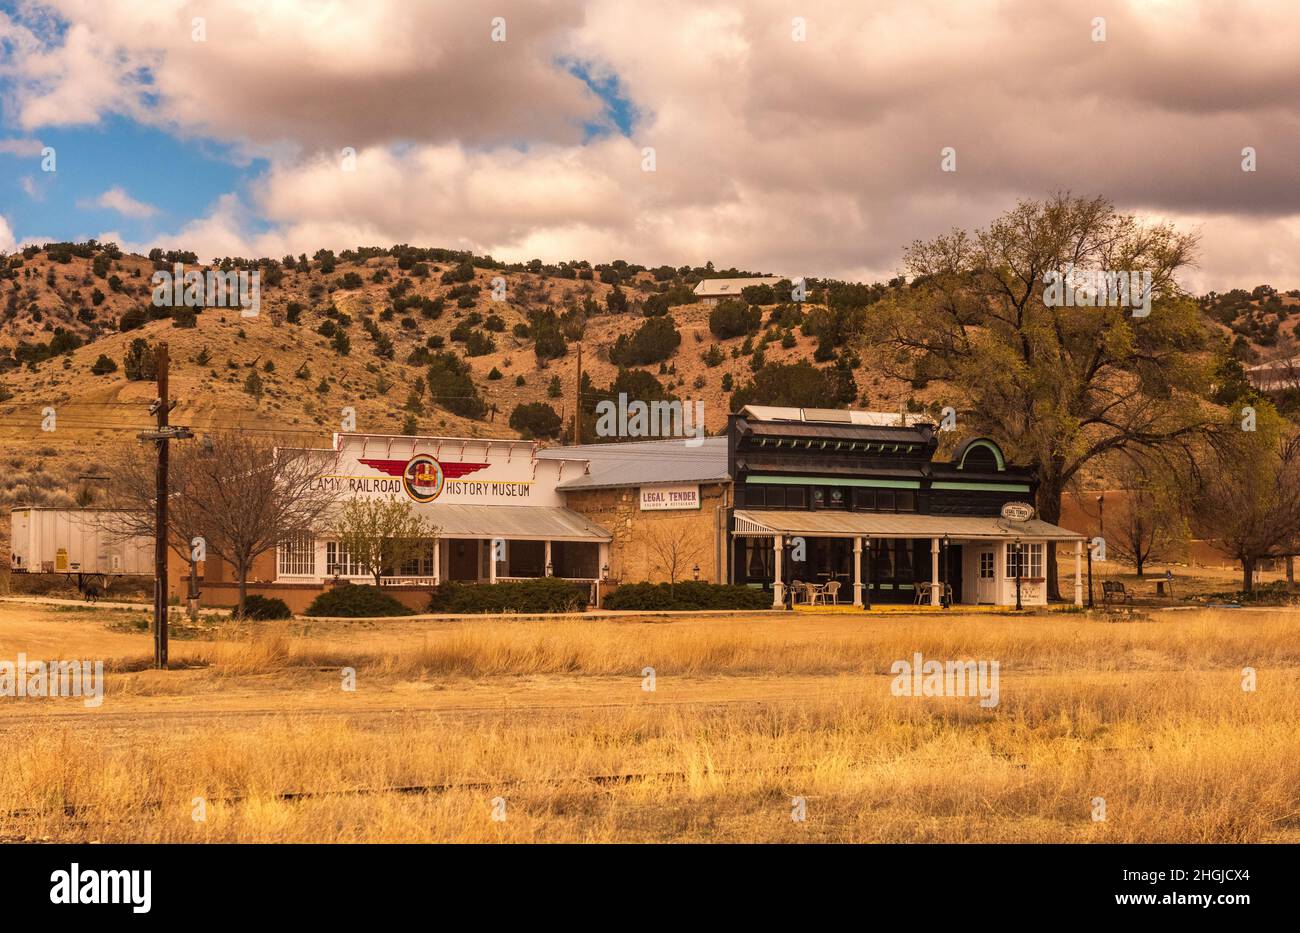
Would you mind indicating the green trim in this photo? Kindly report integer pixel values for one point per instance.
(822, 481)
(984, 442)
(983, 487)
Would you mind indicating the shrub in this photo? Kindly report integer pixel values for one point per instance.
(545, 594)
(732, 318)
(656, 340)
(265, 607)
(103, 366)
(451, 385)
(535, 420)
(353, 601)
(692, 594)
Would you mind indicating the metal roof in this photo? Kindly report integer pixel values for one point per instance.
(645, 463)
(878, 419)
(894, 525)
(519, 522)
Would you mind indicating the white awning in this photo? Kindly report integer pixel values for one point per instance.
(520, 523)
(835, 524)
(514, 522)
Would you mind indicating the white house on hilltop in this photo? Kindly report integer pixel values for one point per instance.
(711, 290)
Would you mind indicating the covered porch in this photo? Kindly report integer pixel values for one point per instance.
(498, 543)
(474, 544)
(861, 559)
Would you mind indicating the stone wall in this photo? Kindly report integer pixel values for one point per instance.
(647, 544)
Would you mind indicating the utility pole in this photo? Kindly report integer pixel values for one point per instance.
(577, 402)
(161, 407)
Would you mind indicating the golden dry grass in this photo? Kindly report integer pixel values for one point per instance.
(747, 715)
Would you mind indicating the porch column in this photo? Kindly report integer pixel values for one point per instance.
(492, 559)
(778, 587)
(857, 571)
(602, 558)
(546, 560)
(437, 561)
(934, 572)
(871, 571)
(1078, 572)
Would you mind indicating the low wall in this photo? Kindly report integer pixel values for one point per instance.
(298, 596)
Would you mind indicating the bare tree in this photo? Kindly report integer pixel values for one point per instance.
(1149, 523)
(131, 494)
(380, 534)
(239, 493)
(674, 548)
(1248, 503)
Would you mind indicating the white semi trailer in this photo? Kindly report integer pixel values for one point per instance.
(84, 542)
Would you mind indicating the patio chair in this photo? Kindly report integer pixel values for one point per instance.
(813, 592)
(922, 593)
(833, 591)
(795, 587)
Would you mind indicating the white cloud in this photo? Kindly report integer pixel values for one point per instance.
(21, 147)
(7, 241)
(817, 157)
(116, 199)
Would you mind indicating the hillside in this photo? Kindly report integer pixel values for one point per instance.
(285, 370)
(64, 307)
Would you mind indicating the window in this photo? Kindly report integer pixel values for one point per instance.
(905, 501)
(338, 563)
(819, 497)
(864, 500)
(884, 500)
(836, 498)
(1032, 556)
(796, 497)
(297, 556)
(419, 566)
(755, 496)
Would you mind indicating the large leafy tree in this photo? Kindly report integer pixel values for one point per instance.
(1061, 387)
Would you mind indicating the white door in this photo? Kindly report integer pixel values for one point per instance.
(986, 589)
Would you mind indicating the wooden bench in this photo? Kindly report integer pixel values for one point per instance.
(1113, 591)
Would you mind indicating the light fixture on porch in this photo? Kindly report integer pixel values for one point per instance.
(696, 570)
(604, 572)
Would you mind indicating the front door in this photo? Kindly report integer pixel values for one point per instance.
(986, 588)
(462, 559)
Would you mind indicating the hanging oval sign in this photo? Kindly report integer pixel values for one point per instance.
(1017, 511)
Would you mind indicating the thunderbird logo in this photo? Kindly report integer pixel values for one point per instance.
(422, 476)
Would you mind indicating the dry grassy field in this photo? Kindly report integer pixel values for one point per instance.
(551, 721)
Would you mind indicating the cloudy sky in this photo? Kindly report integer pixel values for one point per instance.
(800, 137)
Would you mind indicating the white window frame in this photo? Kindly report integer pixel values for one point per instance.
(296, 556)
(339, 563)
(1035, 556)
